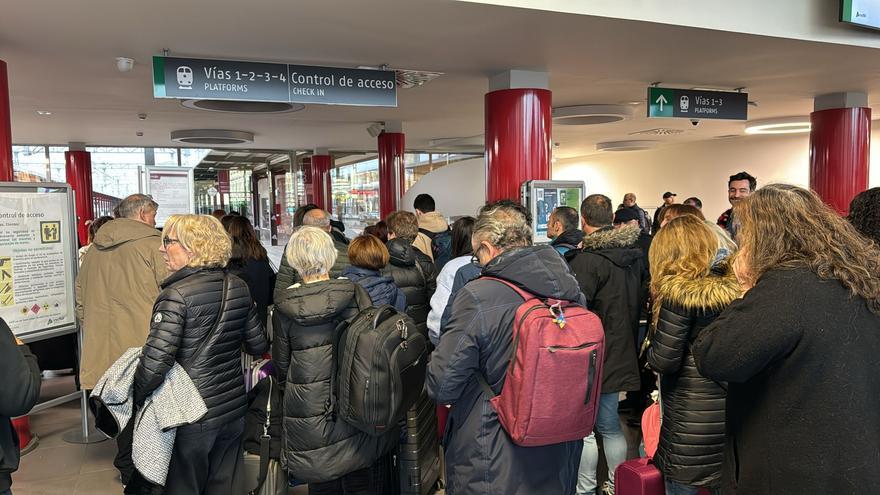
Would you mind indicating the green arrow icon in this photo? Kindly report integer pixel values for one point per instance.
(659, 102)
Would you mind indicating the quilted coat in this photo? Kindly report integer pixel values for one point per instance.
(183, 316)
(691, 447)
(317, 447)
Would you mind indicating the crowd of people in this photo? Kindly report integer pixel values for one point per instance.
(763, 389)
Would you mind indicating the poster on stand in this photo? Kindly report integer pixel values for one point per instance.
(172, 188)
(37, 259)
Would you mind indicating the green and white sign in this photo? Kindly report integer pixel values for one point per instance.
(697, 104)
(191, 78)
(861, 12)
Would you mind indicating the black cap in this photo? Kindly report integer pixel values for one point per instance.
(668, 194)
(625, 215)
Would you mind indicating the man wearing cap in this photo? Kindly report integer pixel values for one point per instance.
(668, 199)
(630, 216)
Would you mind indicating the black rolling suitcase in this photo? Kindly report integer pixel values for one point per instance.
(417, 460)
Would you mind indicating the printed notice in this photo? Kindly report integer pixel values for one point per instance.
(34, 290)
(172, 189)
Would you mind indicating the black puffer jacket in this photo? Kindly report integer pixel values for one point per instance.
(183, 315)
(691, 448)
(316, 447)
(413, 272)
(612, 274)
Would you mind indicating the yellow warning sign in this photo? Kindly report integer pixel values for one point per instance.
(6, 292)
(50, 232)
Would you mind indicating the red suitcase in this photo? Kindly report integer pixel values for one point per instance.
(638, 477)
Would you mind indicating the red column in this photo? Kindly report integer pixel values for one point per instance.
(391, 173)
(321, 165)
(6, 174)
(79, 176)
(840, 142)
(518, 140)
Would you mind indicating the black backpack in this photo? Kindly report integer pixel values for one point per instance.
(441, 247)
(380, 362)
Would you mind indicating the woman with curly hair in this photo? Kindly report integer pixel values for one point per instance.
(864, 214)
(201, 319)
(799, 350)
(692, 282)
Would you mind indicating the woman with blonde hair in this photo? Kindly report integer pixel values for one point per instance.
(799, 350)
(201, 319)
(692, 282)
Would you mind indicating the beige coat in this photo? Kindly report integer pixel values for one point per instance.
(115, 291)
(432, 222)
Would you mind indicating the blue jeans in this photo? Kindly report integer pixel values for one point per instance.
(613, 443)
(675, 488)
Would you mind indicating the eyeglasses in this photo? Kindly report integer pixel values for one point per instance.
(167, 241)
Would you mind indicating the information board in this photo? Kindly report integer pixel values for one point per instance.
(864, 13)
(542, 196)
(172, 188)
(37, 259)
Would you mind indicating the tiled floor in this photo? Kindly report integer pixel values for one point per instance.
(56, 467)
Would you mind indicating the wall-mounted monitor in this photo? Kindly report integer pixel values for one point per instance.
(865, 13)
(541, 196)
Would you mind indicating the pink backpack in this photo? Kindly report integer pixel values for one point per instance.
(551, 389)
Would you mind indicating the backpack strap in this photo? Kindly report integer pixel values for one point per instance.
(523, 294)
(428, 233)
(265, 439)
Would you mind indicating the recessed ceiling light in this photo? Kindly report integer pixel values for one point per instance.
(630, 145)
(784, 125)
(242, 106)
(632, 102)
(43, 112)
(591, 114)
(212, 136)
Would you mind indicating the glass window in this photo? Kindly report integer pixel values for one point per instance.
(117, 172)
(190, 157)
(57, 163)
(356, 194)
(30, 163)
(165, 157)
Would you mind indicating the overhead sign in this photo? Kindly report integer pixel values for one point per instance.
(697, 104)
(205, 79)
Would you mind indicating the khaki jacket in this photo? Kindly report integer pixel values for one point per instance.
(115, 291)
(432, 222)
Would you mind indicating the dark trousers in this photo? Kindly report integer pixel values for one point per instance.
(123, 461)
(373, 480)
(206, 460)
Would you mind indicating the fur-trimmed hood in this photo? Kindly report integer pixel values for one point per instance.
(610, 237)
(711, 293)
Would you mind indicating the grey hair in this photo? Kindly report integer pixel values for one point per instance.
(131, 206)
(502, 226)
(317, 218)
(310, 251)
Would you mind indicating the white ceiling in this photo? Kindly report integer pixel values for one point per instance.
(61, 58)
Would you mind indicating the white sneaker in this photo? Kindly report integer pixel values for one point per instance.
(607, 489)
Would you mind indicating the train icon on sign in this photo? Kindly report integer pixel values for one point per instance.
(184, 77)
(683, 103)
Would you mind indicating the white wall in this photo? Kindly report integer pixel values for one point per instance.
(458, 188)
(698, 169)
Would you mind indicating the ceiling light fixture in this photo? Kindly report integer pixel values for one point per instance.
(124, 64)
(630, 145)
(212, 136)
(591, 114)
(783, 125)
(43, 112)
(242, 106)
